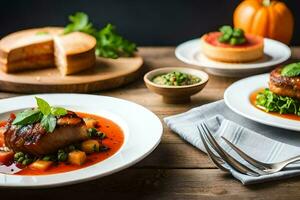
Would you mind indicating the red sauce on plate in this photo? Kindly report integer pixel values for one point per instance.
(287, 116)
(212, 38)
(114, 141)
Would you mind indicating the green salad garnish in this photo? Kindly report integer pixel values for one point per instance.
(109, 43)
(291, 70)
(233, 36)
(272, 102)
(44, 113)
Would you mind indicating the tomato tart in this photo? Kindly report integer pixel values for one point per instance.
(232, 45)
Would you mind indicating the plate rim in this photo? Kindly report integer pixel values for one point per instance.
(86, 177)
(261, 117)
(243, 66)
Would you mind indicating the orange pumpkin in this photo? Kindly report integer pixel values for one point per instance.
(271, 19)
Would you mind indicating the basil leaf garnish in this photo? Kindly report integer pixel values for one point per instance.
(48, 122)
(43, 106)
(58, 111)
(291, 70)
(29, 116)
(44, 114)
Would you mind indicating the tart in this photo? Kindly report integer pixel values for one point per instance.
(251, 50)
(47, 47)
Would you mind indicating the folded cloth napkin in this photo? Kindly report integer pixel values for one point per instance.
(262, 142)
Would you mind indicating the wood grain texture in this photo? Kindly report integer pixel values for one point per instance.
(107, 74)
(164, 184)
(175, 170)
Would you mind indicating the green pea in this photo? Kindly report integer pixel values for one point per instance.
(46, 158)
(62, 155)
(26, 162)
(20, 160)
(18, 155)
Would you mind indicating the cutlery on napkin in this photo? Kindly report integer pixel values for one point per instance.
(262, 142)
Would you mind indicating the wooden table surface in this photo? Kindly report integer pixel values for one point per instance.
(175, 170)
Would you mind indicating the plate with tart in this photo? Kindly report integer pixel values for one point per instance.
(49, 140)
(67, 59)
(231, 52)
(272, 98)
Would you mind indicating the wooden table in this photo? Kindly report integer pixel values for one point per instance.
(175, 170)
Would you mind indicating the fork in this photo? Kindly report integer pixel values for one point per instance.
(223, 157)
(269, 168)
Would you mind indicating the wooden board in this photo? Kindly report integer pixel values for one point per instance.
(107, 74)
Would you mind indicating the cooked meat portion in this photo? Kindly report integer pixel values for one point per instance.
(35, 140)
(284, 86)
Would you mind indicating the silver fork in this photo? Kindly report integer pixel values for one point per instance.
(223, 155)
(266, 167)
(216, 159)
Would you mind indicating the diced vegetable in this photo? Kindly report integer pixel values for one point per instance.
(41, 165)
(90, 146)
(77, 157)
(90, 123)
(6, 157)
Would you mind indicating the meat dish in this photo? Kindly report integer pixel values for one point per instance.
(48, 140)
(283, 85)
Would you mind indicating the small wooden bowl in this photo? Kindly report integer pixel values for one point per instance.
(176, 94)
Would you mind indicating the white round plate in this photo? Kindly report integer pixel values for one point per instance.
(275, 53)
(141, 138)
(237, 98)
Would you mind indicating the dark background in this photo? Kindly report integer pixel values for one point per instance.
(147, 22)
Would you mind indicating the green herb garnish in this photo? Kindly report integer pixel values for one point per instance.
(28, 116)
(80, 22)
(109, 43)
(44, 113)
(291, 70)
(233, 36)
(272, 102)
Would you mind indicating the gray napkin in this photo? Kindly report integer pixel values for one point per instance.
(264, 143)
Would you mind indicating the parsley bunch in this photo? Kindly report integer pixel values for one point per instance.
(109, 43)
(272, 102)
(44, 113)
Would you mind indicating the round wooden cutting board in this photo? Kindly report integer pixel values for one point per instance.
(107, 74)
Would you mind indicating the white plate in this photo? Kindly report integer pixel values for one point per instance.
(275, 53)
(237, 98)
(142, 130)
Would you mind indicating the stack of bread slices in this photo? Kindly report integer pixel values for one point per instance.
(47, 47)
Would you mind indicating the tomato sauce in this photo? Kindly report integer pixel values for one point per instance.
(287, 116)
(114, 141)
(212, 38)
